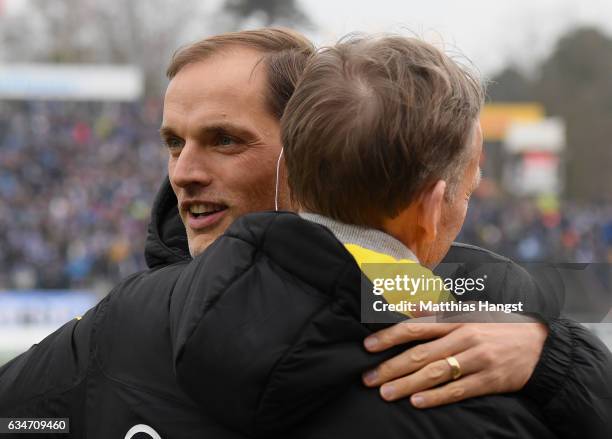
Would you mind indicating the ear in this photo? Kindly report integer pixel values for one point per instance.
(430, 210)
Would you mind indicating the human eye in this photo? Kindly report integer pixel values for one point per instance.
(174, 144)
(225, 140)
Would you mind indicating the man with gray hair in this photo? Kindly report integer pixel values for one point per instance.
(266, 320)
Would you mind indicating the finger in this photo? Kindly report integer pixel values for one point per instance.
(419, 313)
(404, 332)
(467, 387)
(416, 358)
(430, 376)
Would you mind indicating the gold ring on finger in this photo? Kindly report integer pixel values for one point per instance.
(455, 367)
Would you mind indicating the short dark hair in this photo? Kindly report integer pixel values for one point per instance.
(285, 53)
(374, 121)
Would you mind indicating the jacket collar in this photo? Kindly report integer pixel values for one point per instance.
(166, 237)
(367, 238)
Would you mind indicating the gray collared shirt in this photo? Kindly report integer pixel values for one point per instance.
(366, 237)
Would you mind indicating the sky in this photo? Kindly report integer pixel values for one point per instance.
(492, 33)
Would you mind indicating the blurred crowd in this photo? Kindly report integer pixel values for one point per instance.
(540, 229)
(77, 181)
(76, 184)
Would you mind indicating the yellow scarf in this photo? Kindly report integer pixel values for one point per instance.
(381, 265)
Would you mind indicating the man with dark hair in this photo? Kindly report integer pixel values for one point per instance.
(114, 369)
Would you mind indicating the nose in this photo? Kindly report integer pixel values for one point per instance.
(189, 168)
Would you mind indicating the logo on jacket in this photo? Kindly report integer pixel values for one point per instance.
(142, 431)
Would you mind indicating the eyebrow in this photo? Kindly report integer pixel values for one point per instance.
(212, 128)
(165, 132)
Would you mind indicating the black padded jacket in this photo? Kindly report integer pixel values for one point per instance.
(190, 348)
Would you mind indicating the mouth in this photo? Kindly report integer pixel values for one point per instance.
(203, 215)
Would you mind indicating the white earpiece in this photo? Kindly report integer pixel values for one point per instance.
(280, 156)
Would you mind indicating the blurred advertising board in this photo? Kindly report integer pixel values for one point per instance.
(70, 82)
(26, 317)
(547, 135)
(497, 118)
(533, 156)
